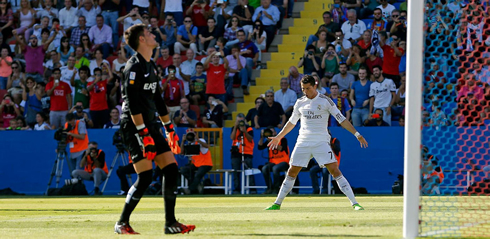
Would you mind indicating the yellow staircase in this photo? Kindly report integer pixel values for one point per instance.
(289, 51)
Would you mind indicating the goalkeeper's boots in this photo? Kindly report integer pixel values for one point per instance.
(357, 207)
(274, 207)
(123, 228)
(178, 227)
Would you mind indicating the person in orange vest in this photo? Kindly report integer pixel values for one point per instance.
(77, 140)
(95, 167)
(199, 165)
(335, 145)
(278, 160)
(239, 130)
(432, 173)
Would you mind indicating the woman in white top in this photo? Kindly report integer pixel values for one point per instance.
(26, 16)
(41, 122)
(120, 61)
(258, 36)
(97, 61)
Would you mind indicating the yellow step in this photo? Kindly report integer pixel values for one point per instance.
(309, 22)
(312, 14)
(324, 5)
(278, 73)
(304, 30)
(263, 89)
(234, 114)
(245, 106)
(289, 55)
(291, 47)
(250, 98)
(262, 81)
(294, 39)
(229, 123)
(281, 64)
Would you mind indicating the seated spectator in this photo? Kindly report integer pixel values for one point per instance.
(294, 79)
(199, 12)
(99, 110)
(321, 44)
(186, 36)
(392, 56)
(67, 17)
(95, 167)
(244, 12)
(17, 77)
(115, 121)
(155, 30)
(77, 32)
(198, 85)
(41, 122)
(215, 74)
(354, 5)
(330, 65)
(54, 62)
(61, 99)
(399, 25)
(9, 110)
(341, 103)
(339, 12)
(82, 114)
(6, 20)
(356, 59)
(365, 42)
(270, 16)
(376, 119)
(286, 97)
(329, 25)
(248, 50)
(169, 30)
(164, 60)
(353, 28)
(341, 44)
(199, 165)
(359, 98)
(101, 36)
(27, 18)
(309, 61)
(188, 67)
(44, 38)
(177, 61)
(214, 115)
(237, 70)
(469, 86)
(270, 114)
(173, 90)
(12, 126)
(379, 23)
(121, 60)
(344, 79)
(32, 101)
(386, 8)
(185, 117)
(89, 10)
(231, 32)
(258, 36)
(80, 59)
(253, 112)
(208, 36)
(58, 34)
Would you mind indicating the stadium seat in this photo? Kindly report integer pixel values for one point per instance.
(368, 22)
(397, 5)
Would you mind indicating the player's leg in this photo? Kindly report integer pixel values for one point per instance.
(344, 185)
(276, 172)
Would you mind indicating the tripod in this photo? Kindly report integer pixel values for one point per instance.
(58, 165)
(119, 155)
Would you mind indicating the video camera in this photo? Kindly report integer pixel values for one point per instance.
(61, 136)
(267, 133)
(190, 148)
(190, 136)
(117, 141)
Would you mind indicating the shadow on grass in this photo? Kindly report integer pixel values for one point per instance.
(304, 235)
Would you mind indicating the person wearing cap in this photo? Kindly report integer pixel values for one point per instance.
(376, 119)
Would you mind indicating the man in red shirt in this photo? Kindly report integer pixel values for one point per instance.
(199, 11)
(99, 110)
(216, 74)
(173, 91)
(60, 94)
(392, 55)
(164, 60)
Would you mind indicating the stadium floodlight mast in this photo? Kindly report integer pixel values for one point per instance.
(413, 131)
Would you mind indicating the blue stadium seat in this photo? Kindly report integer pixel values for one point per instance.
(397, 5)
(395, 123)
(368, 22)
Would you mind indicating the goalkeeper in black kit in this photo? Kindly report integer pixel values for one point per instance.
(141, 101)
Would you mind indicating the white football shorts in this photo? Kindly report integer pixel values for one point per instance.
(304, 151)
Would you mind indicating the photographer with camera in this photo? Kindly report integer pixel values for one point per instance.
(278, 160)
(75, 135)
(309, 61)
(242, 149)
(200, 164)
(95, 167)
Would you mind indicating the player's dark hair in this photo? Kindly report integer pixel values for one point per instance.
(308, 79)
(132, 35)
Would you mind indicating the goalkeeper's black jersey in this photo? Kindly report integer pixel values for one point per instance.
(140, 90)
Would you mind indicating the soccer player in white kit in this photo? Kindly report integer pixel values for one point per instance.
(314, 110)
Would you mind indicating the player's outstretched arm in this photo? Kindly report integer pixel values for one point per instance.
(349, 127)
(276, 141)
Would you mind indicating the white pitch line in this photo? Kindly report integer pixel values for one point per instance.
(433, 233)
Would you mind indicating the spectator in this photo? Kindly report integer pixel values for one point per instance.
(61, 100)
(253, 111)
(356, 59)
(68, 72)
(386, 8)
(365, 43)
(6, 19)
(353, 28)
(215, 74)
(164, 60)
(354, 5)
(26, 15)
(359, 98)
(398, 26)
(80, 59)
(90, 11)
(199, 11)
(372, 59)
(80, 85)
(41, 122)
(99, 110)
(17, 77)
(286, 97)
(369, 7)
(115, 121)
(378, 23)
(174, 8)
(341, 44)
(177, 61)
(469, 86)
(101, 36)
(186, 36)
(341, 103)
(237, 70)
(231, 32)
(259, 37)
(222, 13)
(97, 61)
(339, 12)
(244, 12)
(294, 79)
(199, 165)
(392, 56)
(81, 114)
(382, 94)
(5, 68)
(401, 121)
(188, 67)
(344, 78)
(248, 50)
(270, 114)
(48, 11)
(95, 167)
(309, 61)
(185, 117)
(376, 119)
(110, 12)
(321, 44)
(31, 101)
(44, 38)
(242, 149)
(173, 90)
(169, 29)
(269, 15)
(121, 60)
(66, 16)
(278, 160)
(65, 49)
(215, 113)
(130, 19)
(8, 110)
(77, 32)
(32, 53)
(399, 107)
(155, 30)
(330, 64)
(329, 25)
(208, 36)
(198, 85)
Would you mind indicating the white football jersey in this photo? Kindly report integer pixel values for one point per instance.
(381, 91)
(314, 114)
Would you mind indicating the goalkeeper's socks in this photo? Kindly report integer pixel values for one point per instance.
(346, 189)
(135, 193)
(286, 187)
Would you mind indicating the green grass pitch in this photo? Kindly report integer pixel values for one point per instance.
(214, 217)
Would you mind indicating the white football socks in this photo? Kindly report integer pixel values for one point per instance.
(286, 187)
(346, 189)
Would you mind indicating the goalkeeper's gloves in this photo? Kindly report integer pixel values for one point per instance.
(169, 127)
(146, 143)
(173, 142)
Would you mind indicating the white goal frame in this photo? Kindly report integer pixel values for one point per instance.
(413, 130)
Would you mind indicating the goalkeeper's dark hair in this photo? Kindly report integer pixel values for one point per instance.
(308, 79)
(132, 35)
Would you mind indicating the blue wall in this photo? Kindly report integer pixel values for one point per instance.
(27, 158)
